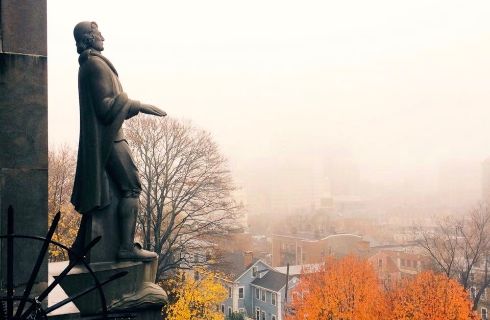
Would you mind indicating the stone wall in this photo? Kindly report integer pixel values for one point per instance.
(23, 129)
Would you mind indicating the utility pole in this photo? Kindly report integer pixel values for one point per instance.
(286, 291)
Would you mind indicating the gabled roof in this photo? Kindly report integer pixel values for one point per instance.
(233, 265)
(253, 264)
(272, 280)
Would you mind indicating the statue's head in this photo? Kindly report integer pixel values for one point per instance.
(88, 36)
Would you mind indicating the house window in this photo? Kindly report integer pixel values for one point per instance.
(273, 317)
(273, 298)
(240, 293)
(263, 294)
(380, 263)
(196, 275)
(257, 293)
(229, 292)
(263, 315)
(222, 308)
(254, 272)
(484, 314)
(229, 311)
(257, 314)
(473, 292)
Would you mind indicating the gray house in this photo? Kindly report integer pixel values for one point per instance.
(259, 293)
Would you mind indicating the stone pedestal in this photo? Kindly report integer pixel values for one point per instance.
(136, 293)
(23, 138)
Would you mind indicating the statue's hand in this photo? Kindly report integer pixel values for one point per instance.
(149, 109)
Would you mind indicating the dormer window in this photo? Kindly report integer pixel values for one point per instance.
(255, 272)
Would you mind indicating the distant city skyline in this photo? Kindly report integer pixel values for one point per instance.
(397, 88)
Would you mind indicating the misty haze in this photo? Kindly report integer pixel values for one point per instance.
(344, 127)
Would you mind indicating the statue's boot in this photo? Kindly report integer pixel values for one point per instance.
(128, 251)
(136, 254)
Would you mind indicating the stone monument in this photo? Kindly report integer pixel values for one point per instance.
(107, 188)
(105, 170)
(24, 134)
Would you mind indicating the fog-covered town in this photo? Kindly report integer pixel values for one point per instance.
(258, 160)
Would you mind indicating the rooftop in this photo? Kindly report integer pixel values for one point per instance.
(297, 269)
(272, 280)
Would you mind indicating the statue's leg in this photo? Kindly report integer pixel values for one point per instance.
(128, 213)
(125, 174)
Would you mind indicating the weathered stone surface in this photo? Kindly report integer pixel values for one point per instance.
(23, 125)
(22, 188)
(23, 112)
(148, 295)
(134, 292)
(23, 135)
(23, 26)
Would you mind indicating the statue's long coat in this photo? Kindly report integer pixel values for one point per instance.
(103, 108)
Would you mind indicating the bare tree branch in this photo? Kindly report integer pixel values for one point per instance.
(187, 189)
(460, 248)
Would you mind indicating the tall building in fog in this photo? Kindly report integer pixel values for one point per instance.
(485, 181)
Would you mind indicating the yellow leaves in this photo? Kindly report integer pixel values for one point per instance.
(196, 299)
(62, 162)
(65, 233)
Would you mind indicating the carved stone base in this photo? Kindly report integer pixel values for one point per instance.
(148, 295)
(136, 293)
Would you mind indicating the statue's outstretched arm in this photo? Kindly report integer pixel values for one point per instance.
(104, 96)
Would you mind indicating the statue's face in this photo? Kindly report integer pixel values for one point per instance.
(98, 43)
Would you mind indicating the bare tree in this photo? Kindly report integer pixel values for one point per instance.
(460, 248)
(61, 170)
(187, 190)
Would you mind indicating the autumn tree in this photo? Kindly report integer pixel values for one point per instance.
(61, 170)
(187, 190)
(460, 248)
(196, 299)
(341, 289)
(430, 296)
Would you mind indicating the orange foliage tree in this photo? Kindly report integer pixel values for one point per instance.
(430, 296)
(348, 289)
(342, 289)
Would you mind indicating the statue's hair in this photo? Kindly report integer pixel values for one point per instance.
(84, 38)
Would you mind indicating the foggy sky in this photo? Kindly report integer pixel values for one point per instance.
(399, 88)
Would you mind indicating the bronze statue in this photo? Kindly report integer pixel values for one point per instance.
(103, 152)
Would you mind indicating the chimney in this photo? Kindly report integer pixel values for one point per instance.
(248, 257)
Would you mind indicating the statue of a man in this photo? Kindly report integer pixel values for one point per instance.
(103, 152)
